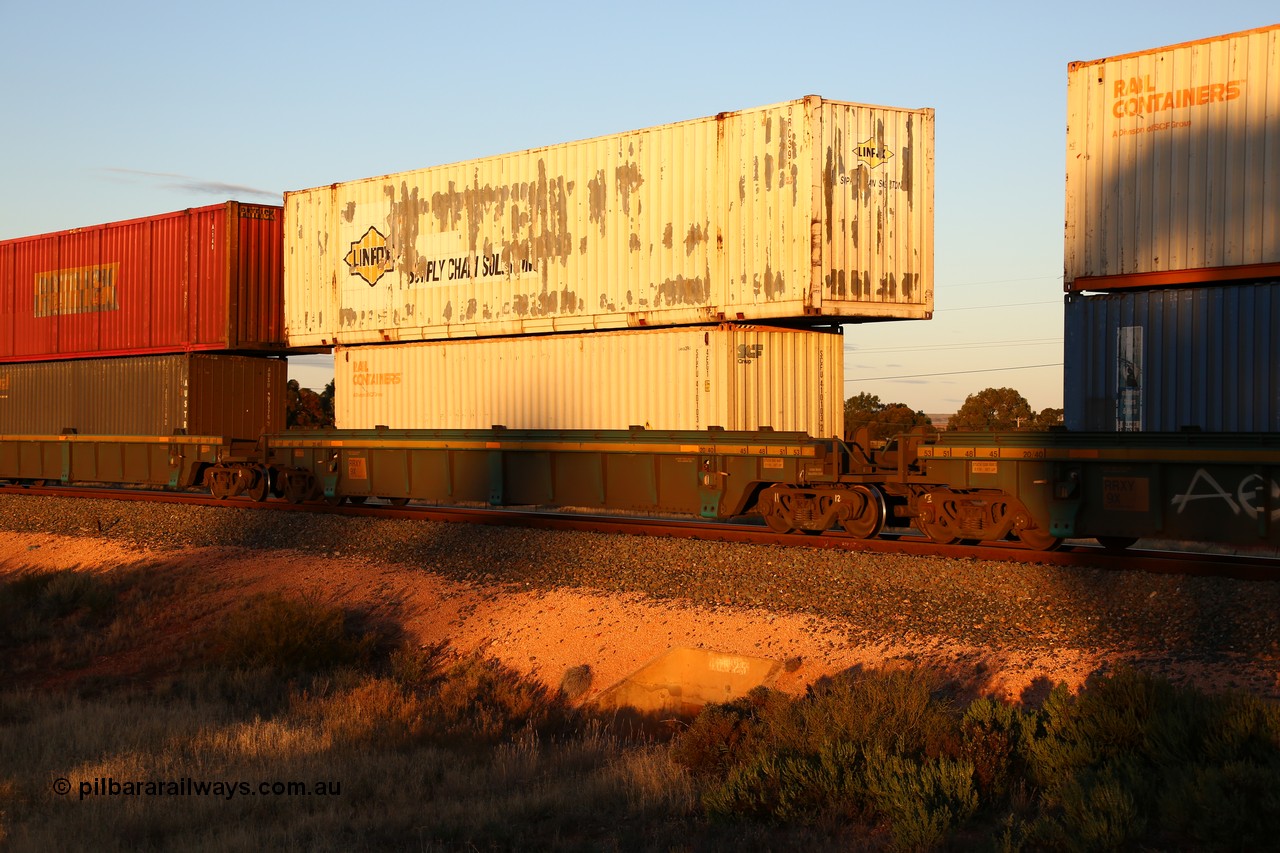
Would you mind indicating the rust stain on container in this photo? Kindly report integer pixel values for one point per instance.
(629, 180)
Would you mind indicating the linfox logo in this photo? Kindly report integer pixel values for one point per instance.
(871, 154)
(369, 257)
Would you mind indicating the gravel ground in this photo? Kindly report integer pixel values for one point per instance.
(872, 598)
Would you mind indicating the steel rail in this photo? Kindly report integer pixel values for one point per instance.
(895, 541)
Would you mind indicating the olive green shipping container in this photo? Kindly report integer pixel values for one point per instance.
(220, 395)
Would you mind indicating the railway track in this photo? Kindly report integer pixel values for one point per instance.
(901, 541)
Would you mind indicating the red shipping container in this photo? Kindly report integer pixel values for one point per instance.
(206, 278)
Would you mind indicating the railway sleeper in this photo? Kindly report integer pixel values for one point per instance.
(859, 509)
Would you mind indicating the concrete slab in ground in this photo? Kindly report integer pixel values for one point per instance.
(683, 680)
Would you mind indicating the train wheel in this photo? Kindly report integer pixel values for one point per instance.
(357, 499)
(397, 501)
(778, 522)
(775, 506)
(298, 487)
(257, 491)
(866, 520)
(933, 522)
(1031, 536)
(937, 531)
(1117, 543)
(219, 488)
(1038, 539)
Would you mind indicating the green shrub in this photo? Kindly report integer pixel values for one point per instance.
(576, 681)
(923, 799)
(990, 734)
(1234, 805)
(718, 738)
(791, 788)
(862, 747)
(898, 710)
(289, 636)
(484, 701)
(415, 667)
(1133, 759)
(476, 701)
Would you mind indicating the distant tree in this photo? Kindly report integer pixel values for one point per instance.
(884, 420)
(993, 409)
(896, 418)
(305, 409)
(326, 403)
(859, 411)
(1046, 419)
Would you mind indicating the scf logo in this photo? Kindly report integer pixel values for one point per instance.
(748, 353)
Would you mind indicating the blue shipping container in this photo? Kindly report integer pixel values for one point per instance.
(1204, 357)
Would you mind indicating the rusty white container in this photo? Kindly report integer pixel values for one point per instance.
(1172, 164)
(736, 377)
(807, 209)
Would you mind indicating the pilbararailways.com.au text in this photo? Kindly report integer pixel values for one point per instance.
(227, 789)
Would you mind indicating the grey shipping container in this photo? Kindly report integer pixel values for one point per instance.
(1204, 357)
(221, 395)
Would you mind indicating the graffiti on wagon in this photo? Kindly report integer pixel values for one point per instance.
(1248, 498)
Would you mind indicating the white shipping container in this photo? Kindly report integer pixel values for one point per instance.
(809, 208)
(1173, 164)
(736, 377)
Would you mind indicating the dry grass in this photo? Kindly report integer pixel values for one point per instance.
(395, 747)
(411, 748)
(527, 792)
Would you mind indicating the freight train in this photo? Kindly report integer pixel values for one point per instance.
(778, 213)
(1035, 489)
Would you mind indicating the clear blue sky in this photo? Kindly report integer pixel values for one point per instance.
(125, 109)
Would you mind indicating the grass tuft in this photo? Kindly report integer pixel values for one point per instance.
(576, 682)
(36, 605)
(290, 637)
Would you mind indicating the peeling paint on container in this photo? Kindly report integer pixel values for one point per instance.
(1172, 166)
(200, 394)
(206, 278)
(807, 209)
(1173, 358)
(736, 377)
